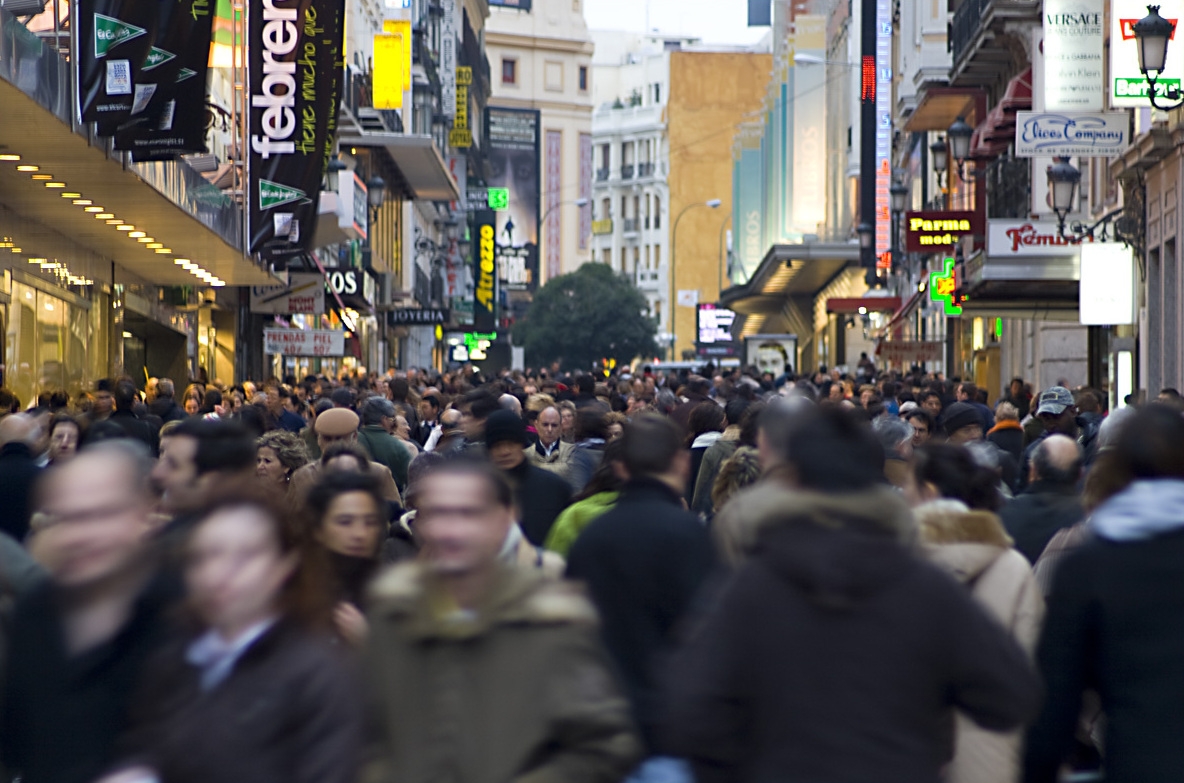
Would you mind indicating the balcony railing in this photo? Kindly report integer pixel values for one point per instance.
(602, 175)
(1009, 188)
(973, 16)
(631, 225)
(645, 170)
(627, 171)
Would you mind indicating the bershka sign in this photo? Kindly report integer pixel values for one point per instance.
(484, 271)
(410, 316)
(1027, 238)
(114, 38)
(935, 232)
(304, 342)
(1073, 45)
(1128, 87)
(294, 76)
(168, 116)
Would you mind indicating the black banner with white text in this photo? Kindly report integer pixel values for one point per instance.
(114, 39)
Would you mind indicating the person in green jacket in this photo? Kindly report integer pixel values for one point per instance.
(378, 416)
(598, 496)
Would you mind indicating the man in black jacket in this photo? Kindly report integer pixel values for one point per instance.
(18, 473)
(135, 427)
(835, 653)
(165, 405)
(645, 560)
(539, 494)
(1051, 501)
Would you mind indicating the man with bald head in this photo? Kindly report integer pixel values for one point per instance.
(19, 434)
(1051, 501)
(550, 452)
(81, 639)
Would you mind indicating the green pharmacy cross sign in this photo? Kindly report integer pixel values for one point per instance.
(943, 288)
(499, 199)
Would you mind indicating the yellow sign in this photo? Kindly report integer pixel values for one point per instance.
(485, 281)
(389, 75)
(460, 138)
(464, 75)
(462, 108)
(601, 227)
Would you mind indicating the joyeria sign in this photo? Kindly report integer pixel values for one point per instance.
(937, 232)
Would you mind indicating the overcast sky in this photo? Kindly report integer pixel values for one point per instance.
(715, 21)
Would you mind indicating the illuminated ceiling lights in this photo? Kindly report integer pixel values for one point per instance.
(55, 184)
(82, 202)
(26, 167)
(163, 250)
(136, 234)
(42, 177)
(115, 222)
(104, 216)
(69, 194)
(154, 245)
(9, 157)
(125, 227)
(145, 240)
(93, 209)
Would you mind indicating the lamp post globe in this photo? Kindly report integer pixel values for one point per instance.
(1063, 179)
(376, 192)
(1152, 33)
(959, 135)
(941, 155)
(899, 197)
(866, 235)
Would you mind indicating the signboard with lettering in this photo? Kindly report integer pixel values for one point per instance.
(1088, 133)
(936, 232)
(1027, 238)
(485, 273)
(1073, 46)
(412, 316)
(715, 331)
(907, 353)
(304, 293)
(1128, 86)
(304, 342)
(943, 288)
(512, 141)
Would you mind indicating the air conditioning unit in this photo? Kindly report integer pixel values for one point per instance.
(23, 7)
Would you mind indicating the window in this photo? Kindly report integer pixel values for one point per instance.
(606, 209)
(509, 71)
(605, 156)
(657, 256)
(624, 207)
(657, 212)
(583, 78)
(608, 257)
(624, 259)
(656, 93)
(636, 260)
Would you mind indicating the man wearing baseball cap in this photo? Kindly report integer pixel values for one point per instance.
(1057, 412)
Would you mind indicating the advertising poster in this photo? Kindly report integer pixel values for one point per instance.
(775, 354)
(748, 230)
(809, 127)
(485, 274)
(1073, 46)
(114, 37)
(714, 332)
(168, 118)
(294, 77)
(512, 139)
(304, 293)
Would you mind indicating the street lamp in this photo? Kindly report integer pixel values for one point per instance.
(959, 135)
(1152, 34)
(899, 196)
(866, 235)
(579, 202)
(332, 172)
(376, 192)
(712, 203)
(1063, 179)
(940, 152)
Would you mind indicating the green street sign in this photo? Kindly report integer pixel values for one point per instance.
(499, 198)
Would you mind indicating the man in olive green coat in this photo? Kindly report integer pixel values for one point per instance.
(482, 671)
(378, 417)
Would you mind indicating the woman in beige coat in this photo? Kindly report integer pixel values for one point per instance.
(954, 501)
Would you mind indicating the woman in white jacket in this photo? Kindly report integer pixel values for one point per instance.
(954, 501)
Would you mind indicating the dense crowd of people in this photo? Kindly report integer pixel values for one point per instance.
(545, 576)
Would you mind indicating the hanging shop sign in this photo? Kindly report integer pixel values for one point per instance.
(1073, 45)
(1128, 86)
(1028, 238)
(485, 274)
(294, 77)
(451, 30)
(461, 136)
(943, 288)
(1067, 134)
(114, 38)
(1107, 288)
(304, 293)
(512, 141)
(907, 353)
(304, 342)
(933, 232)
(715, 331)
(167, 118)
(413, 316)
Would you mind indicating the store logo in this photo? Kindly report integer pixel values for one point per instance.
(157, 57)
(485, 281)
(277, 92)
(273, 194)
(1027, 235)
(110, 31)
(184, 74)
(1127, 26)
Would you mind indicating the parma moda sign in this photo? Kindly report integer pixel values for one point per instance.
(294, 76)
(933, 232)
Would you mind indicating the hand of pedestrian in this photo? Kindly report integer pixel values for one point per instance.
(350, 623)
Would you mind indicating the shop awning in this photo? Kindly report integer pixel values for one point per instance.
(938, 106)
(789, 270)
(863, 304)
(997, 130)
(424, 171)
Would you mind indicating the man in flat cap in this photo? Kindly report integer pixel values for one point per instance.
(337, 425)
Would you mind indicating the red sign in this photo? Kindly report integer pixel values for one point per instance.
(938, 232)
(1128, 28)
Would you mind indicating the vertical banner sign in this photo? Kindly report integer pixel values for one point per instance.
(168, 117)
(294, 76)
(450, 32)
(1073, 45)
(883, 129)
(809, 127)
(392, 65)
(512, 139)
(747, 206)
(554, 166)
(461, 135)
(485, 274)
(1128, 85)
(114, 37)
(585, 189)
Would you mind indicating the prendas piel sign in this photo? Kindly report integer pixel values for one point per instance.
(114, 37)
(294, 73)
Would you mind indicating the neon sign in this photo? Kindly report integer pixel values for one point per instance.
(943, 287)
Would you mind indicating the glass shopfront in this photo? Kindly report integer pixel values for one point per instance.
(46, 340)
